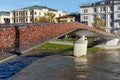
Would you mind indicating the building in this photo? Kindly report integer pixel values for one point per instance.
(73, 17)
(107, 10)
(28, 14)
(4, 17)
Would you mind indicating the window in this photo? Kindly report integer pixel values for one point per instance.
(35, 13)
(31, 12)
(31, 19)
(59, 15)
(118, 15)
(85, 11)
(6, 20)
(71, 20)
(119, 23)
(103, 17)
(26, 14)
(39, 13)
(95, 16)
(103, 9)
(16, 20)
(111, 16)
(118, 7)
(111, 8)
(85, 17)
(45, 13)
(16, 14)
(111, 23)
(26, 20)
(95, 9)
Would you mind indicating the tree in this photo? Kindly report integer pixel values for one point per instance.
(99, 23)
(50, 16)
(41, 19)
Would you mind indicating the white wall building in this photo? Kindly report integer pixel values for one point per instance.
(28, 14)
(4, 17)
(107, 10)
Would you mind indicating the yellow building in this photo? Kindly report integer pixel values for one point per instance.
(74, 17)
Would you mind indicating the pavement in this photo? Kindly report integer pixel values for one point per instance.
(54, 67)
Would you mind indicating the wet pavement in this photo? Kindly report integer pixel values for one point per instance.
(97, 66)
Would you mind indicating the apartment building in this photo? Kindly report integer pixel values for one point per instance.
(72, 17)
(4, 17)
(107, 10)
(28, 14)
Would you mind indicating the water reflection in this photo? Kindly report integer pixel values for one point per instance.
(81, 67)
(113, 56)
(106, 66)
(96, 66)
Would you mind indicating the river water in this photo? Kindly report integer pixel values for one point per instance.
(103, 65)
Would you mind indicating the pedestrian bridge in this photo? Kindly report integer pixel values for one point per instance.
(21, 37)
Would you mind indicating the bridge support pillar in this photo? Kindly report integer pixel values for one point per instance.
(112, 42)
(80, 47)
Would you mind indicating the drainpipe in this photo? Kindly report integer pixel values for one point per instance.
(113, 17)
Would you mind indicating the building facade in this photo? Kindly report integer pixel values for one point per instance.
(4, 17)
(28, 14)
(107, 10)
(73, 17)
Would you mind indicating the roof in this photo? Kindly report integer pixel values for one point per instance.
(70, 15)
(39, 7)
(4, 13)
(65, 16)
(99, 3)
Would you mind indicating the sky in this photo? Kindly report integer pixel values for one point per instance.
(64, 5)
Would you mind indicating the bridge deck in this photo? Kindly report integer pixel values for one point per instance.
(31, 35)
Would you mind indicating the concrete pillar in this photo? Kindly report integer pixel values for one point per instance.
(80, 47)
(112, 42)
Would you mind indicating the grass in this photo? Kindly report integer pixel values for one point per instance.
(54, 46)
(117, 49)
(95, 49)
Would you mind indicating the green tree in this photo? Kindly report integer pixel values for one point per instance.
(41, 19)
(50, 16)
(99, 23)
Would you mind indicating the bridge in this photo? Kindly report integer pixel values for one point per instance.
(21, 37)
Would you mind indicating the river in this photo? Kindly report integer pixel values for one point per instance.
(103, 65)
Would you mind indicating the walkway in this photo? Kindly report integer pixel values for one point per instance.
(27, 36)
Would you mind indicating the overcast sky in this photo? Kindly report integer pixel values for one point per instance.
(64, 5)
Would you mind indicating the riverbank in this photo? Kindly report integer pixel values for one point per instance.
(57, 46)
(109, 47)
